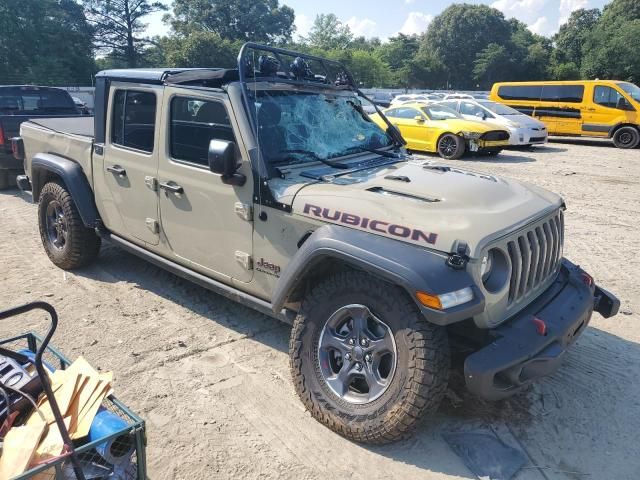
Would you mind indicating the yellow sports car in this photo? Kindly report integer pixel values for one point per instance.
(436, 128)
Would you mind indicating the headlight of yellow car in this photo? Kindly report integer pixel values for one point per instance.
(471, 135)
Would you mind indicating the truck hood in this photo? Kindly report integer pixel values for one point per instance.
(427, 204)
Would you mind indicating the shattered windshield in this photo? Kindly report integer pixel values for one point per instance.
(297, 127)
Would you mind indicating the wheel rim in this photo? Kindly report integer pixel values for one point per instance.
(626, 138)
(447, 146)
(357, 354)
(56, 225)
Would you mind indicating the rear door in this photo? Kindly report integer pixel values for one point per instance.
(568, 107)
(130, 162)
(207, 223)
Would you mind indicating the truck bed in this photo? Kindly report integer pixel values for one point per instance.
(71, 138)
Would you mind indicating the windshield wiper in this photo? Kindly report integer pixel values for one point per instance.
(382, 153)
(314, 156)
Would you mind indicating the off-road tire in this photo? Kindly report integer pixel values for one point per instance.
(626, 137)
(82, 244)
(422, 368)
(451, 147)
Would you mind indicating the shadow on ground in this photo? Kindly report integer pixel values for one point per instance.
(579, 420)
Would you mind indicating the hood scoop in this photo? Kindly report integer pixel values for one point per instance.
(385, 191)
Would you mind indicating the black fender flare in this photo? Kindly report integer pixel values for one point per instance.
(410, 267)
(74, 179)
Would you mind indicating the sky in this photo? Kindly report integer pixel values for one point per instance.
(385, 18)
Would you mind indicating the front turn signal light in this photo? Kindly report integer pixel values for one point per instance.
(445, 300)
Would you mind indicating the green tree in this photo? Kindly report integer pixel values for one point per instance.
(329, 33)
(459, 33)
(611, 50)
(256, 21)
(119, 27)
(200, 49)
(572, 35)
(44, 42)
(491, 63)
(426, 70)
(398, 52)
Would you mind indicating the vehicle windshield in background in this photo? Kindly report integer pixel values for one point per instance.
(39, 100)
(440, 112)
(500, 109)
(297, 127)
(631, 89)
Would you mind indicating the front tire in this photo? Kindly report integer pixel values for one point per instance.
(626, 137)
(364, 360)
(68, 243)
(450, 146)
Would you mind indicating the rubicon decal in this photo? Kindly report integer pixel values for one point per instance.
(379, 226)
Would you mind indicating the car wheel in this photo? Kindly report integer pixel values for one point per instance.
(364, 360)
(450, 146)
(626, 137)
(68, 243)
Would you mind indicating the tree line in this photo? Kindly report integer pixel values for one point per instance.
(465, 47)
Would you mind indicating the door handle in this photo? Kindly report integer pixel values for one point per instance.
(172, 187)
(118, 170)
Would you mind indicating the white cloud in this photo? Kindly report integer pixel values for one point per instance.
(409, 2)
(362, 27)
(416, 22)
(303, 25)
(540, 26)
(568, 6)
(526, 10)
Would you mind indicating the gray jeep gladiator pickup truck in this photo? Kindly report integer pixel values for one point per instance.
(269, 184)
(19, 103)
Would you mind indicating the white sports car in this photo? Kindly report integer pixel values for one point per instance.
(524, 130)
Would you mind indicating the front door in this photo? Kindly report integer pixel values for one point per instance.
(130, 161)
(603, 113)
(207, 223)
(413, 131)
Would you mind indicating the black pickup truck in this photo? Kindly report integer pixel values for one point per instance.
(19, 103)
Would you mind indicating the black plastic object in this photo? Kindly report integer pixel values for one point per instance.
(14, 375)
(268, 65)
(486, 455)
(64, 433)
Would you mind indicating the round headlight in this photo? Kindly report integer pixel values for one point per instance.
(486, 265)
(494, 270)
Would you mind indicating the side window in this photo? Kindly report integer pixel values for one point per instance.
(606, 96)
(520, 92)
(468, 108)
(194, 123)
(562, 93)
(408, 113)
(393, 113)
(134, 119)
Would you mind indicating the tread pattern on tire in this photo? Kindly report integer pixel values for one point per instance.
(428, 369)
(83, 244)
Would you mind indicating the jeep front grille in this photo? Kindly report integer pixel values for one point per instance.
(535, 255)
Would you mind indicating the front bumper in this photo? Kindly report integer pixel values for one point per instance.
(520, 353)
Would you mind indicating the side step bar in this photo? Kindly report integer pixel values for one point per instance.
(246, 299)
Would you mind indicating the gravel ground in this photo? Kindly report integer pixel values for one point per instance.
(211, 377)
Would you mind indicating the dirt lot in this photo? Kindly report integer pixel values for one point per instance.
(211, 377)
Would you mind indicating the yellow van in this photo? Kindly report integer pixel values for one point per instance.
(593, 108)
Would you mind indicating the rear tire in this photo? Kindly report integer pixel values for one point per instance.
(626, 137)
(408, 358)
(451, 147)
(68, 243)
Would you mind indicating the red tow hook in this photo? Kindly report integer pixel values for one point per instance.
(587, 279)
(541, 327)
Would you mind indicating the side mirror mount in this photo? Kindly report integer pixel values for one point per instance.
(623, 104)
(222, 160)
(419, 118)
(481, 115)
